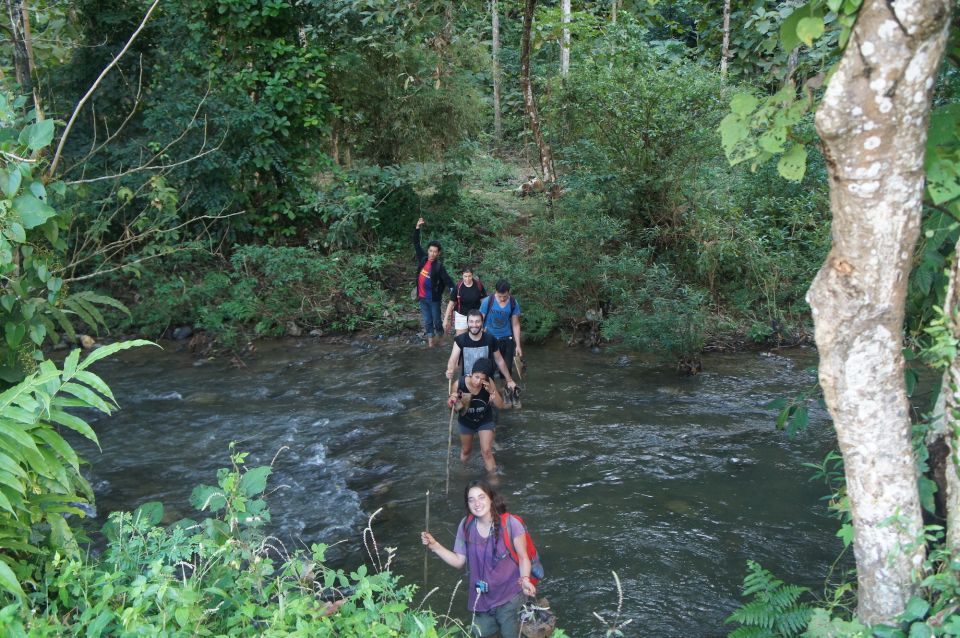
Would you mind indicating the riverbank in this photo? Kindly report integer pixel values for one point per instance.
(584, 273)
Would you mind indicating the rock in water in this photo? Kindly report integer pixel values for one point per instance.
(87, 342)
(181, 333)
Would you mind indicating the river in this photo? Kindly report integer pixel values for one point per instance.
(615, 465)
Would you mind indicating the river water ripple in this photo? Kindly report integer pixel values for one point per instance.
(671, 482)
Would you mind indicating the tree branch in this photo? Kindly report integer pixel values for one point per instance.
(90, 91)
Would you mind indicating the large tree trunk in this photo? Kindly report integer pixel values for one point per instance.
(873, 123)
(565, 39)
(495, 54)
(530, 103)
(725, 52)
(613, 10)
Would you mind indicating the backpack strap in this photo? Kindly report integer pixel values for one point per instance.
(459, 285)
(511, 307)
(508, 537)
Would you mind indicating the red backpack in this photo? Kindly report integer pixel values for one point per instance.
(536, 567)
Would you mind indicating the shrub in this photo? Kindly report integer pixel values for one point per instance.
(221, 576)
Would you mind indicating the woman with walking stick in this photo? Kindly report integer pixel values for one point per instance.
(499, 574)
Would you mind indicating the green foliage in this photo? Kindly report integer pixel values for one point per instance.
(40, 479)
(34, 300)
(775, 609)
(262, 290)
(651, 309)
(221, 577)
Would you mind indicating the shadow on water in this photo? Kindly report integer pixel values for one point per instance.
(672, 482)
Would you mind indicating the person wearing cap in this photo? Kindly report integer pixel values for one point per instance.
(475, 397)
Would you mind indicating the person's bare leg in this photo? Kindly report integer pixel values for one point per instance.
(486, 450)
(429, 342)
(466, 446)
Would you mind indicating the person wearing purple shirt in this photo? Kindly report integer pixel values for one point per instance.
(498, 583)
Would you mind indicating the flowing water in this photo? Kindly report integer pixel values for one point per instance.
(616, 466)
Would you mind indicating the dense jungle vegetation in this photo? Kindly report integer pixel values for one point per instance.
(309, 172)
(253, 168)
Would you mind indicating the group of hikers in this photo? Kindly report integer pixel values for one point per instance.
(492, 543)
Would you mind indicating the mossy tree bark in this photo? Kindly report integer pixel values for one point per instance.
(873, 122)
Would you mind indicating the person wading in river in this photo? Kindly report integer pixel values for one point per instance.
(473, 346)
(501, 318)
(499, 584)
(432, 278)
(474, 397)
(464, 297)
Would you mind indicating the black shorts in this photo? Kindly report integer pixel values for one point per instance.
(507, 347)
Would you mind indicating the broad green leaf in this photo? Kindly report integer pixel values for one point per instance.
(14, 333)
(12, 440)
(916, 609)
(207, 497)
(788, 28)
(73, 422)
(60, 446)
(10, 465)
(809, 29)
(11, 481)
(70, 364)
(8, 581)
(80, 311)
(15, 232)
(103, 300)
(38, 190)
(107, 350)
(7, 505)
(11, 183)
(774, 140)
(37, 135)
(846, 534)
(95, 382)
(87, 395)
(928, 489)
(735, 138)
(150, 513)
(254, 481)
(743, 103)
(32, 211)
(793, 164)
(37, 332)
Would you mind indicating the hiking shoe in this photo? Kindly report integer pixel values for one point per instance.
(516, 398)
(507, 398)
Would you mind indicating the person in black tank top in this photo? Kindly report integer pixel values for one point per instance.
(475, 397)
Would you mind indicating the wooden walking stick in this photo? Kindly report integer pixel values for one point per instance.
(446, 490)
(425, 548)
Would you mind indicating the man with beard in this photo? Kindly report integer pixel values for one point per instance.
(473, 345)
